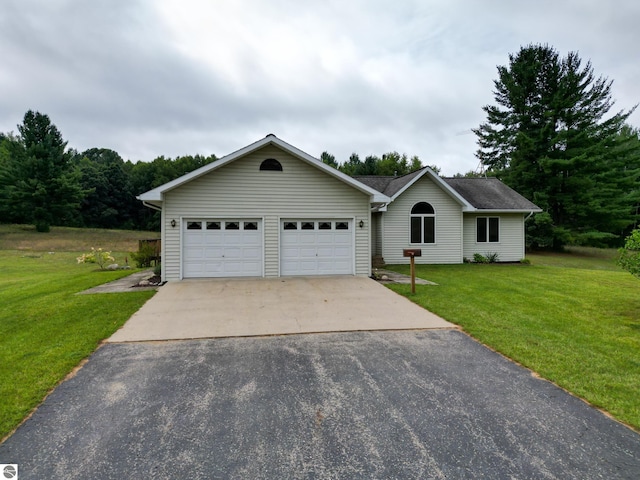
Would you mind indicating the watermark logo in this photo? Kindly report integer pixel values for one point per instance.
(8, 470)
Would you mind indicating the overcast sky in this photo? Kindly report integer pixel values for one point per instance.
(177, 77)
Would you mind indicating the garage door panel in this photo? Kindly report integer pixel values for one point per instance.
(325, 250)
(219, 252)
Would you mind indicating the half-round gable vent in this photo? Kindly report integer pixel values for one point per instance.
(271, 164)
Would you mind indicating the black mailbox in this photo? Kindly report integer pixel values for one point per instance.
(412, 252)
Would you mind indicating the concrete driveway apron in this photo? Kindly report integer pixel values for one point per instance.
(247, 307)
(356, 405)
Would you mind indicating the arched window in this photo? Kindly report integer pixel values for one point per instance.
(423, 223)
(271, 164)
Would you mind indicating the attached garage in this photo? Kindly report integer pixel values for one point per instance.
(266, 210)
(316, 247)
(222, 248)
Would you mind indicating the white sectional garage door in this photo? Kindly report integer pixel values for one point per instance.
(316, 247)
(222, 248)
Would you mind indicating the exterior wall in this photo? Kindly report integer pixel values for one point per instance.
(510, 248)
(240, 189)
(448, 225)
(376, 233)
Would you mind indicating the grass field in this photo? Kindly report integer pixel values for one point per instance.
(46, 330)
(65, 239)
(573, 318)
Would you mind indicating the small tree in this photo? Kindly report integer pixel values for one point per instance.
(629, 257)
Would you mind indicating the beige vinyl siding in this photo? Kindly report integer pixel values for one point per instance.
(241, 190)
(510, 247)
(448, 225)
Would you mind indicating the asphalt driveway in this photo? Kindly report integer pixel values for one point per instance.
(393, 404)
(210, 308)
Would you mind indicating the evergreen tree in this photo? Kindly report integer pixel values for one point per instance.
(550, 138)
(41, 185)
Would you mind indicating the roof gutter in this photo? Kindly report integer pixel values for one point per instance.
(155, 207)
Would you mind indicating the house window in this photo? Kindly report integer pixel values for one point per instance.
(423, 223)
(342, 225)
(324, 225)
(213, 225)
(271, 164)
(487, 229)
(232, 225)
(194, 225)
(290, 225)
(307, 226)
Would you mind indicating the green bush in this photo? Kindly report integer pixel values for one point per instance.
(629, 255)
(490, 257)
(144, 256)
(479, 258)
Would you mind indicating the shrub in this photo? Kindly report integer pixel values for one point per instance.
(157, 270)
(629, 255)
(525, 261)
(99, 257)
(145, 254)
(493, 257)
(490, 257)
(479, 258)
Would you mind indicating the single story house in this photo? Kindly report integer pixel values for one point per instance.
(271, 210)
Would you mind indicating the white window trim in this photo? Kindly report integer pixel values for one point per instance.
(487, 217)
(422, 217)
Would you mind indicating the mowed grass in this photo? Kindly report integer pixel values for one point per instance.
(573, 320)
(46, 330)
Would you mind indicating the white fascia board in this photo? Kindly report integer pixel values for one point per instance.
(466, 206)
(157, 193)
(505, 210)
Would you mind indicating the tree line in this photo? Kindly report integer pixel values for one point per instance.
(43, 183)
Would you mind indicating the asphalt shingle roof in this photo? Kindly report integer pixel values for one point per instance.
(482, 193)
(489, 194)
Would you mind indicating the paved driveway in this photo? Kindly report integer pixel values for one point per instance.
(359, 405)
(248, 307)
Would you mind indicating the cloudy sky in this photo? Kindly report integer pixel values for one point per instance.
(175, 77)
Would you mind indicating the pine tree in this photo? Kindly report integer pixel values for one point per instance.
(552, 139)
(41, 184)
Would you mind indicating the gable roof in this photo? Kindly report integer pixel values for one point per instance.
(489, 193)
(393, 187)
(474, 194)
(155, 196)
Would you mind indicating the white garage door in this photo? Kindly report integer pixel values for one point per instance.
(316, 247)
(222, 248)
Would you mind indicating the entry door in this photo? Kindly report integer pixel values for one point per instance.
(316, 247)
(222, 248)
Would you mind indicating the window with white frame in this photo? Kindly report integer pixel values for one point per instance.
(423, 223)
(488, 229)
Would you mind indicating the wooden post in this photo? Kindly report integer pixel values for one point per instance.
(412, 253)
(413, 274)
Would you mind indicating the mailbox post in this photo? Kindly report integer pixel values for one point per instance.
(412, 253)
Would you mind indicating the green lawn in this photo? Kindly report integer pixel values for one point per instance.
(573, 318)
(45, 329)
